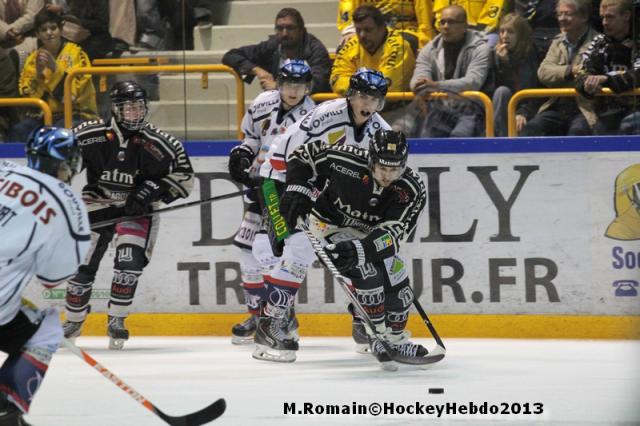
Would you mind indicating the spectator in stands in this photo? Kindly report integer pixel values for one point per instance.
(8, 89)
(414, 16)
(291, 41)
(377, 47)
(565, 115)
(16, 19)
(44, 73)
(541, 15)
(16, 25)
(609, 63)
(458, 59)
(122, 25)
(86, 24)
(151, 26)
(515, 65)
(482, 15)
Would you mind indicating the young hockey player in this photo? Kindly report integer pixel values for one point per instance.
(350, 121)
(268, 116)
(44, 231)
(371, 201)
(129, 163)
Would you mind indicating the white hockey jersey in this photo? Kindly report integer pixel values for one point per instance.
(329, 122)
(265, 120)
(44, 231)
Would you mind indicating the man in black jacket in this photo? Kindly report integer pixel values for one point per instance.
(291, 41)
(612, 62)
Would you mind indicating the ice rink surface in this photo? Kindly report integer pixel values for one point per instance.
(578, 382)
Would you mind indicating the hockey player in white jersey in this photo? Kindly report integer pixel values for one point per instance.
(350, 121)
(268, 116)
(44, 230)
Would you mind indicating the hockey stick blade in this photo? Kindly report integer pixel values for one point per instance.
(108, 222)
(431, 358)
(206, 415)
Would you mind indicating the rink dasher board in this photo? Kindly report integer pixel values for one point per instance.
(554, 228)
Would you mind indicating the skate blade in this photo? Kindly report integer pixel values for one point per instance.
(389, 366)
(116, 344)
(240, 340)
(265, 353)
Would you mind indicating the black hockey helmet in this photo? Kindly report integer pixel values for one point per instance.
(388, 148)
(295, 71)
(368, 81)
(129, 93)
(54, 151)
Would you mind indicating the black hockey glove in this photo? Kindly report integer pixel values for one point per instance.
(240, 159)
(295, 202)
(139, 201)
(346, 255)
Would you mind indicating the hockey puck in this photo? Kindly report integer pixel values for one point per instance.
(436, 390)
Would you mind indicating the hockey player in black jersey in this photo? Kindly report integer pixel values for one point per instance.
(131, 166)
(371, 201)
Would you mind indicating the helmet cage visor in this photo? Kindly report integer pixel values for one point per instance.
(131, 113)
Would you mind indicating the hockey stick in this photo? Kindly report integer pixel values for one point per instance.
(206, 415)
(440, 349)
(108, 222)
(434, 356)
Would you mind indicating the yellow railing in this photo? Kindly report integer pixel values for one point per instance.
(546, 93)
(204, 69)
(408, 96)
(127, 60)
(35, 102)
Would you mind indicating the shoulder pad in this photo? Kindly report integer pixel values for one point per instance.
(325, 115)
(265, 102)
(91, 124)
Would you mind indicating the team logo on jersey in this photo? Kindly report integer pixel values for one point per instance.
(383, 242)
(153, 150)
(337, 138)
(403, 197)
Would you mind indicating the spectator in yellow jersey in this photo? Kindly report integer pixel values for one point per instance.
(415, 16)
(44, 73)
(377, 47)
(482, 15)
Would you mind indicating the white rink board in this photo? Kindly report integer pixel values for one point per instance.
(558, 220)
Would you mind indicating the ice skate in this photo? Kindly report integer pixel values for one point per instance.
(117, 333)
(359, 332)
(243, 333)
(272, 341)
(291, 325)
(381, 354)
(72, 329)
(10, 415)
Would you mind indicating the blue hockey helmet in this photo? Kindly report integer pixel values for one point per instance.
(54, 151)
(368, 81)
(295, 71)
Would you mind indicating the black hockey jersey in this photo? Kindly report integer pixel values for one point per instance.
(118, 164)
(352, 198)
